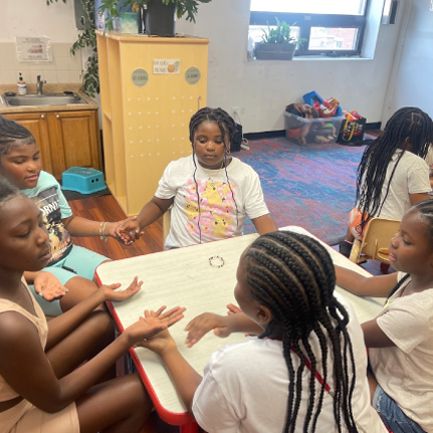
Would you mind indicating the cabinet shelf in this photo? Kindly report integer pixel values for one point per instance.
(146, 110)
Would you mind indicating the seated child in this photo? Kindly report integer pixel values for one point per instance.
(71, 268)
(210, 191)
(392, 175)
(45, 383)
(306, 372)
(400, 338)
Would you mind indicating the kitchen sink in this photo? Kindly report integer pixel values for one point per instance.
(41, 100)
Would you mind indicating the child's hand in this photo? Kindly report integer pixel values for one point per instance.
(202, 324)
(233, 309)
(160, 343)
(111, 294)
(152, 324)
(129, 231)
(48, 286)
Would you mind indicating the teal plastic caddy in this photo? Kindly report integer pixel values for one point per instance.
(83, 180)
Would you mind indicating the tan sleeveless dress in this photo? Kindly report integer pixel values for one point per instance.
(24, 417)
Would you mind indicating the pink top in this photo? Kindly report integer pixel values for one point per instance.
(6, 392)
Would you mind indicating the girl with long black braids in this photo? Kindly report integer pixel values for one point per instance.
(307, 370)
(400, 338)
(210, 191)
(392, 175)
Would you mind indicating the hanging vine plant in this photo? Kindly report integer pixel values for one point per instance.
(87, 38)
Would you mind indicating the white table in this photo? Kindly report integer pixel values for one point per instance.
(184, 277)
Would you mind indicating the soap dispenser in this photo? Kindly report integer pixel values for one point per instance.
(22, 87)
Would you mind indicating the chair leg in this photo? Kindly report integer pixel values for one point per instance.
(384, 268)
(355, 251)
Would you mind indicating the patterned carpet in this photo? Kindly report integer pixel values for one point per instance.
(310, 186)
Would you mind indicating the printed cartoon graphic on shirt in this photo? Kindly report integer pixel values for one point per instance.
(217, 208)
(60, 241)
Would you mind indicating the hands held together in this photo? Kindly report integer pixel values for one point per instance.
(129, 230)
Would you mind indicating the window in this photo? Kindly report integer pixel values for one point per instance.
(330, 27)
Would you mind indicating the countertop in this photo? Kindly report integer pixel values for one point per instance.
(48, 88)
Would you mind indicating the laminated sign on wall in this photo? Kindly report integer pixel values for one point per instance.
(33, 49)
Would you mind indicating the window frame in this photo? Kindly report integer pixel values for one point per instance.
(306, 21)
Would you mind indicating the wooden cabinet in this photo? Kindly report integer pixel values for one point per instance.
(150, 88)
(65, 138)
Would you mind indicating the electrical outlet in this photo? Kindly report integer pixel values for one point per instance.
(235, 112)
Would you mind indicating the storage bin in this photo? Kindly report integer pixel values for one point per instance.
(299, 130)
(83, 180)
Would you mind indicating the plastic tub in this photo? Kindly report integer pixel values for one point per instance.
(306, 131)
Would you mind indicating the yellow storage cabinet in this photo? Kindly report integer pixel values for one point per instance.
(150, 88)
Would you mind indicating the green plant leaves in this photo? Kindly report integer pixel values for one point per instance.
(280, 35)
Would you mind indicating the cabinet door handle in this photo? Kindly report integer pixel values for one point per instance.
(58, 116)
(42, 116)
(198, 102)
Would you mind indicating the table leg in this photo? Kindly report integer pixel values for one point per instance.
(189, 428)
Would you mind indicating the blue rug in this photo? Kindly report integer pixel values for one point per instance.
(311, 186)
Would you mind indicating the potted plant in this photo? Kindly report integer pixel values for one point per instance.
(277, 43)
(160, 15)
(86, 38)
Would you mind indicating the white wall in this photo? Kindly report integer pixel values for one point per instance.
(261, 89)
(35, 18)
(411, 83)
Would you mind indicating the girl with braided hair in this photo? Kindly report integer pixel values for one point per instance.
(211, 192)
(68, 276)
(53, 376)
(393, 174)
(400, 338)
(307, 370)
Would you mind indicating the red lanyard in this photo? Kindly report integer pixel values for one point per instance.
(316, 373)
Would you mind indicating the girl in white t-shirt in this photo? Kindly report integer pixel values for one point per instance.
(400, 338)
(306, 372)
(392, 175)
(210, 192)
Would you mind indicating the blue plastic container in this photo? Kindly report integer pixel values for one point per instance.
(83, 180)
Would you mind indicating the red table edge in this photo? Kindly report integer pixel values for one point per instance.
(169, 417)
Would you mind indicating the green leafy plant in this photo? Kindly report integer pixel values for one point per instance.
(114, 8)
(87, 38)
(280, 35)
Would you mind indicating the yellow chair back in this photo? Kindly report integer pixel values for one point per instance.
(377, 239)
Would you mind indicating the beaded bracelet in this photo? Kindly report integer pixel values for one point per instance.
(102, 234)
(220, 264)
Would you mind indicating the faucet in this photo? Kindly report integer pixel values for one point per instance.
(39, 84)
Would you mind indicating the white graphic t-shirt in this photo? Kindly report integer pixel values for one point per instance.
(209, 204)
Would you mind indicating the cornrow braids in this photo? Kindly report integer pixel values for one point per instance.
(425, 208)
(409, 129)
(11, 133)
(293, 275)
(228, 128)
(8, 191)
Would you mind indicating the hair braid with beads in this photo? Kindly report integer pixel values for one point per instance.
(409, 129)
(228, 128)
(293, 275)
(13, 134)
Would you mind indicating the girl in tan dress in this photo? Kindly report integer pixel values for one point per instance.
(45, 385)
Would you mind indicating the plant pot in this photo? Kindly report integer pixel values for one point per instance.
(274, 51)
(161, 18)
